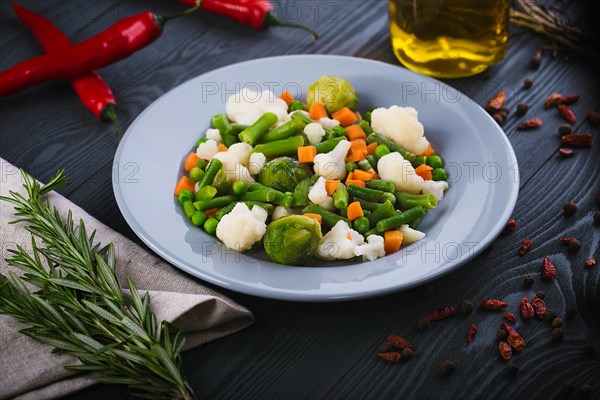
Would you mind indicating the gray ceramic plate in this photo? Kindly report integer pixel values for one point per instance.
(481, 164)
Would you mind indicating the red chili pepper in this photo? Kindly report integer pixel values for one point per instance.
(496, 102)
(569, 99)
(514, 339)
(594, 117)
(441, 313)
(471, 333)
(511, 225)
(493, 304)
(548, 269)
(539, 306)
(256, 14)
(115, 43)
(530, 124)
(590, 262)
(505, 350)
(567, 114)
(552, 100)
(578, 139)
(93, 91)
(525, 246)
(510, 316)
(391, 356)
(399, 342)
(526, 308)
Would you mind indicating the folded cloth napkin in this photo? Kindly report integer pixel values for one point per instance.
(29, 371)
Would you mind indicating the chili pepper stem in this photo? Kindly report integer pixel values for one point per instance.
(110, 114)
(165, 18)
(272, 20)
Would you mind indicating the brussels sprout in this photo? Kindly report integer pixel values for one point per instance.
(335, 93)
(292, 240)
(283, 174)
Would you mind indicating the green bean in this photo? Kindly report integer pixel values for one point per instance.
(373, 231)
(435, 161)
(328, 145)
(372, 161)
(339, 131)
(281, 199)
(265, 196)
(300, 195)
(254, 186)
(366, 213)
(239, 188)
(231, 135)
(381, 184)
(188, 209)
(196, 174)
(439, 174)
(253, 133)
(365, 193)
(364, 165)
(368, 205)
(400, 218)
(280, 147)
(198, 218)
(361, 225)
(366, 126)
(380, 139)
(285, 131)
(407, 200)
(419, 160)
(207, 192)
(221, 122)
(329, 218)
(210, 226)
(415, 224)
(185, 195)
(340, 198)
(295, 106)
(384, 211)
(227, 209)
(328, 135)
(200, 141)
(344, 212)
(303, 117)
(351, 166)
(202, 164)
(215, 202)
(214, 166)
(381, 151)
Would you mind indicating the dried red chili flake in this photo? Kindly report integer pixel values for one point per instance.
(594, 117)
(530, 124)
(511, 225)
(496, 102)
(569, 99)
(391, 356)
(526, 309)
(399, 342)
(441, 313)
(539, 306)
(578, 139)
(510, 316)
(566, 152)
(505, 350)
(525, 246)
(566, 113)
(566, 240)
(552, 100)
(514, 339)
(493, 304)
(548, 269)
(590, 262)
(471, 333)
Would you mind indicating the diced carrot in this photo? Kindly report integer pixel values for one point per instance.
(345, 116)
(355, 211)
(355, 132)
(349, 177)
(317, 111)
(185, 183)
(222, 147)
(428, 151)
(355, 182)
(287, 97)
(314, 216)
(392, 240)
(306, 154)
(355, 156)
(190, 162)
(211, 213)
(371, 148)
(424, 171)
(331, 185)
(305, 106)
(374, 173)
(362, 175)
(359, 145)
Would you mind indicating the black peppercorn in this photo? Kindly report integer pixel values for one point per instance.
(567, 388)
(570, 312)
(385, 347)
(503, 114)
(536, 60)
(540, 294)
(466, 307)
(558, 334)
(522, 108)
(447, 367)
(551, 314)
(528, 281)
(570, 208)
(573, 246)
(501, 334)
(498, 118)
(557, 323)
(407, 353)
(565, 129)
(511, 369)
(423, 324)
(585, 390)
(597, 217)
(527, 83)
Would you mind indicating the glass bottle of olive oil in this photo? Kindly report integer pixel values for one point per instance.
(449, 38)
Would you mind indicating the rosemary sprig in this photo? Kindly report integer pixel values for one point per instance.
(79, 307)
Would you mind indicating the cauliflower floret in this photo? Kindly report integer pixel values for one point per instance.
(215, 135)
(401, 125)
(247, 106)
(235, 170)
(327, 204)
(208, 149)
(318, 195)
(395, 168)
(410, 235)
(339, 243)
(242, 227)
(371, 251)
(332, 165)
(328, 123)
(256, 163)
(314, 132)
(241, 151)
(281, 211)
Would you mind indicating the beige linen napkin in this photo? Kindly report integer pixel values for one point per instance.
(29, 371)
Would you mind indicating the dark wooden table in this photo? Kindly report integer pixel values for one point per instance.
(311, 351)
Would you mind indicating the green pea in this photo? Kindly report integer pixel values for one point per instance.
(295, 106)
(198, 218)
(419, 160)
(239, 188)
(210, 226)
(339, 131)
(196, 174)
(435, 161)
(361, 225)
(202, 164)
(350, 166)
(381, 151)
(439, 174)
(185, 195)
(367, 116)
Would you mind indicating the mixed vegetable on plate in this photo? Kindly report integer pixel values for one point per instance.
(312, 179)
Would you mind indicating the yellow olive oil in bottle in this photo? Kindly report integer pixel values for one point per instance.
(449, 38)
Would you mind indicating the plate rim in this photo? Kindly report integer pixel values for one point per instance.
(314, 295)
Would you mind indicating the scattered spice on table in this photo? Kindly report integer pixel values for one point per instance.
(567, 388)
(472, 332)
(590, 262)
(447, 368)
(441, 313)
(525, 246)
(493, 304)
(536, 60)
(511, 225)
(501, 334)
(566, 113)
(569, 99)
(594, 117)
(514, 339)
(528, 281)
(558, 334)
(522, 108)
(578, 139)
(511, 369)
(571, 312)
(566, 152)
(540, 294)
(465, 307)
(510, 317)
(526, 309)
(570, 207)
(496, 102)
(552, 100)
(539, 306)
(399, 342)
(585, 390)
(548, 269)
(505, 350)
(565, 129)
(391, 356)
(407, 353)
(527, 83)
(557, 323)
(530, 124)
(597, 217)
(423, 324)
